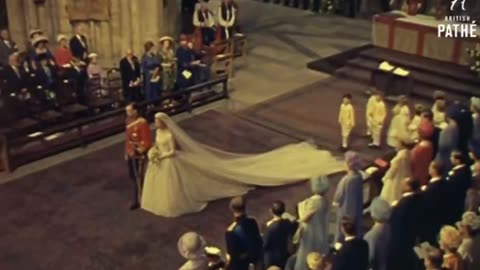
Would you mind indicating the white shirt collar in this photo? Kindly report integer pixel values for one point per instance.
(458, 167)
(435, 179)
(349, 238)
(407, 194)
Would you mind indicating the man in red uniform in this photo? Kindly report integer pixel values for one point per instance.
(138, 141)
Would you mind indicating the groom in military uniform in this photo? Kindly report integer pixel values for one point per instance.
(138, 141)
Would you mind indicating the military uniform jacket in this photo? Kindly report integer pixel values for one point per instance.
(138, 137)
(244, 243)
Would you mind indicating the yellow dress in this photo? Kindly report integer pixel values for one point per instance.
(346, 118)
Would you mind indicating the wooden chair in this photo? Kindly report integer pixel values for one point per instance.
(114, 85)
(222, 64)
(239, 45)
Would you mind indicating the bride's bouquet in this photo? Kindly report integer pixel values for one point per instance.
(154, 155)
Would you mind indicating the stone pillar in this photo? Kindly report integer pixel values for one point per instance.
(16, 23)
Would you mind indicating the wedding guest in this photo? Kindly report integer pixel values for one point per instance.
(131, 77)
(191, 246)
(46, 74)
(459, 179)
(291, 262)
(7, 47)
(435, 195)
(77, 73)
(186, 61)
(94, 69)
(428, 127)
(400, 168)
(448, 138)
(433, 260)
(398, 130)
(63, 55)
(78, 43)
(243, 240)
(33, 34)
(422, 155)
(472, 202)
(14, 77)
(469, 227)
(475, 109)
(372, 100)
(406, 216)
(151, 68)
(313, 222)
(449, 242)
(378, 238)
(277, 237)
(346, 119)
(415, 123)
(204, 21)
(40, 47)
(438, 109)
(315, 261)
(226, 19)
(353, 252)
(377, 115)
(168, 63)
(349, 196)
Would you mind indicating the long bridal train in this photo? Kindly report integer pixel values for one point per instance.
(184, 175)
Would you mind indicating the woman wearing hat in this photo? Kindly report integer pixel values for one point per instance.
(400, 168)
(63, 55)
(450, 240)
(150, 66)
(94, 70)
(398, 130)
(40, 47)
(313, 215)
(191, 246)
(422, 153)
(469, 227)
(378, 238)
(168, 59)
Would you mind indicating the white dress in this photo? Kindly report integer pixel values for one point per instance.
(399, 126)
(183, 175)
(400, 168)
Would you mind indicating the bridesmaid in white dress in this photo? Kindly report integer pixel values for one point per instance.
(398, 130)
(183, 175)
(400, 168)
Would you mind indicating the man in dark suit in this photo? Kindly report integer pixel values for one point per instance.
(131, 77)
(435, 195)
(78, 44)
(243, 240)
(277, 237)
(459, 180)
(353, 253)
(405, 222)
(14, 77)
(7, 47)
(77, 74)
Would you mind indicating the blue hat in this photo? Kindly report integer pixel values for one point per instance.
(380, 209)
(320, 184)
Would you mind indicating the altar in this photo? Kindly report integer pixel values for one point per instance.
(418, 35)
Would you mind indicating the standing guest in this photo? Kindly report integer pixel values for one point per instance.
(398, 130)
(433, 260)
(378, 238)
(469, 227)
(40, 47)
(94, 69)
(472, 202)
(314, 222)
(315, 261)
(192, 247)
(63, 55)
(460, 180)
(346, 119)
(450, 240)
(436, 205)
(150, 68)
(186, 61)
(204, 21)
(7, 47)
(422, 155)
(138, 141)
(475, 109)
(369, 111)
(131, 77)
(14, 77)
(226, 19)
(400, 168)
(404, 221)
(349, 196)
(448, 138)
(438, 109)
(277, 237)
(415, 123)
(168, 63)
(78, 43)
(427, 125)
(353, 253)
(243, 240)
(76, 72)
(377, 115)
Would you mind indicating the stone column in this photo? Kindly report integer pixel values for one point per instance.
(16, 23)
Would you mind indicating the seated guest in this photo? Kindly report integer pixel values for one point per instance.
(168, 62)
(277, 237)
(315, 261)
(204, 21)
(353, 253)
(63, 55)
(15, 78)
(7, 47)
(405, 219)
(422, 155)
(469, 227)
(46, 74)
(450, 240)
(131, 77)
(313, 216)
(349, 196)
(78, 44)
(400, 168)
(94, 69)
(433, 260)
(192, 247)
(475, 109)
(415, 123)
(243, 240)
(459, 179)
(226, 19)
(40, 47)
(435, 195)
(378, 238)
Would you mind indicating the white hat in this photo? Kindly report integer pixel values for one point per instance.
(92, 55)
(39, 39)
(191, 246)
(61, 37)
(34, 31)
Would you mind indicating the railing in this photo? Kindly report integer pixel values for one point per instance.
(83, 131)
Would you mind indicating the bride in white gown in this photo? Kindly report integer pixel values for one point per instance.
(184, 175)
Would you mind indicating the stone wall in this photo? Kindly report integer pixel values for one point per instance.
(131, 23)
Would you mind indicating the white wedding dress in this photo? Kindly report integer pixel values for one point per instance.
(184, 175)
